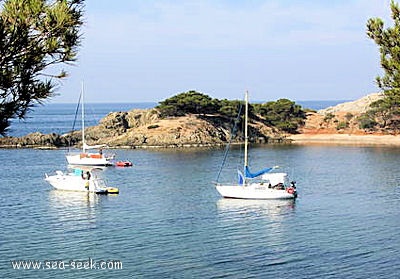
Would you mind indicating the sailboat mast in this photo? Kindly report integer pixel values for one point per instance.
(83, 120)
(246, 137)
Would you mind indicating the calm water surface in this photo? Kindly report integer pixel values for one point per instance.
(169, 221)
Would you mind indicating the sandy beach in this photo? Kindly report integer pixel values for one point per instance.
(346, 139)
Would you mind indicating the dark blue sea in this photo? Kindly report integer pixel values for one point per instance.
(169, 221)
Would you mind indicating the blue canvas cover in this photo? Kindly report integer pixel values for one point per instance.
(77, 172)
(249, 174)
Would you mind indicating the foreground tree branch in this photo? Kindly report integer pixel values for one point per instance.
(35, 36)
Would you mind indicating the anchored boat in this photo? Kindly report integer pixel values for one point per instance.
(85, 157)
(81, 180)
(258, 185)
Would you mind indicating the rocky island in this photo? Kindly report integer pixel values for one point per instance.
(152, 128)
(145, 128)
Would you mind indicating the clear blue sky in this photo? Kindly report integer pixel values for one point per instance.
(147, 51)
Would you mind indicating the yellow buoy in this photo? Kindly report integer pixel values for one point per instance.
(112, 190)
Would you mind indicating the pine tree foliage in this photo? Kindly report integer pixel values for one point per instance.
(37, 37)
(387, 110)
(283, 114)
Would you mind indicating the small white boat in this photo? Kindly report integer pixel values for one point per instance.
(84, 157)
(80, 180)
(259, 185)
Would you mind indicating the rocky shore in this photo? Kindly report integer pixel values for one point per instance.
(346, 139)
(338, 125)
(146, 129)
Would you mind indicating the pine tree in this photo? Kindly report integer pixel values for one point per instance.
(37, 37)
(387, 110)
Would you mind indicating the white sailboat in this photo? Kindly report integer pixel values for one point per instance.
(259, 185)
(80, 180)
(85, 157)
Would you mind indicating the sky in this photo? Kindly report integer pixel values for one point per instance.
(148, 51)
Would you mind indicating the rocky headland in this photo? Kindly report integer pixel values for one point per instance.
(146, 129)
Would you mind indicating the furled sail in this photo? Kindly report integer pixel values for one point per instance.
(85, 146)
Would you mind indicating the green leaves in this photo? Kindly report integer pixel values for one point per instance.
(388, 41)
(188, 102)
(282, 114)
(35, 37)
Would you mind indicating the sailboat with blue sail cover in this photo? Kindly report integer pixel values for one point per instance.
(262, 184)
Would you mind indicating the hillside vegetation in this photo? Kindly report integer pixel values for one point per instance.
(284, 115)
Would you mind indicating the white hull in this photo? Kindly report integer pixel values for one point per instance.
(88, 160)
(72, 182)
(253, 191)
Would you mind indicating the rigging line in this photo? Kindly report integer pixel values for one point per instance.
(229, 142)
(76, 114)
(76, 111)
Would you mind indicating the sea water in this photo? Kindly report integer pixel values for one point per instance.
(170, 222)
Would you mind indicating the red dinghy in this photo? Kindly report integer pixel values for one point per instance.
(123, 164)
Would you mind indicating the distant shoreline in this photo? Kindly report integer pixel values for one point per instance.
(299, 139)
(345, 139)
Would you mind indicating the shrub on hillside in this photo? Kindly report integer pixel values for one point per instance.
(283, 114)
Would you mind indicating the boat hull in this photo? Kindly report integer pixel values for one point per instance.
(71, 182)
(261, 192)
(89, 160)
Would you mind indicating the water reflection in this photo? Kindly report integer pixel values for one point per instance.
(260, 226)
(273, 209)
(72, 199)
(73, 210)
